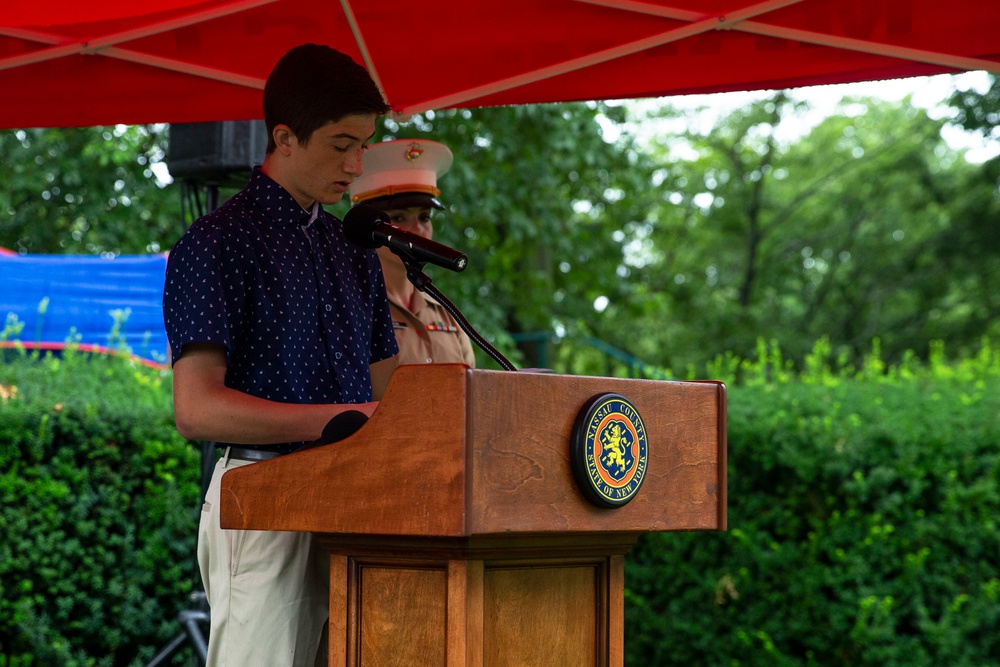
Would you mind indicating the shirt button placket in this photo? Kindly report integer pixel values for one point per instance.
(324, 294)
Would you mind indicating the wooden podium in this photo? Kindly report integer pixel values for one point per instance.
(457, 533)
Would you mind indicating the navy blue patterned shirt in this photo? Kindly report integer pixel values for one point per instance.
(300, 310)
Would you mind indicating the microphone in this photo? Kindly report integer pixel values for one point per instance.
(339, 427)
(368, 227)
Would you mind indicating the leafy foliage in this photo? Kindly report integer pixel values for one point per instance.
(87, 190)
(587, 244)
(863, 505)
(869, 226)
(979, 112)
(98, 511)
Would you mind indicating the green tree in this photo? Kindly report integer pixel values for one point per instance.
(971, 248)
(841, 233)
(979, 112)
(88, 190)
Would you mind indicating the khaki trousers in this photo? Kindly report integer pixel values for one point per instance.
(268, 591)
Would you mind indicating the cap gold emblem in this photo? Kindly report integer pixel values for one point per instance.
(413, 152)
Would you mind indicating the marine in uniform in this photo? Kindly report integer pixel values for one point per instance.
(400, 178)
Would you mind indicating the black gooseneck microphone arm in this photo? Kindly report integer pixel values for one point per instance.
(415, 274)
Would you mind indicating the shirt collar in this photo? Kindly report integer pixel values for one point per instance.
(314, 213)
(278, 202)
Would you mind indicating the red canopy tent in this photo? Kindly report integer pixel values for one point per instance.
(71, 63)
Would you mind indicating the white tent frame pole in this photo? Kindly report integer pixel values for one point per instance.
(31, 35)
(704, 24)
(359, 39)
(107, 45)
(874, 48)
(809, 37)
(187, 68)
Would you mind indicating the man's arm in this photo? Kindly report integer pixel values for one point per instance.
(381, 371)
(206, 409)
(468, 354)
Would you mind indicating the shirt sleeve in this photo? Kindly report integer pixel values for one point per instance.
(203, 296)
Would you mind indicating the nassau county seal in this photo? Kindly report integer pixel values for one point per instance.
(608, 450)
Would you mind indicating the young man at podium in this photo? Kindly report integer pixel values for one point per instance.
(278, 324)
(401, 178)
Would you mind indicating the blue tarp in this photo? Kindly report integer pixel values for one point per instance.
(84, 293)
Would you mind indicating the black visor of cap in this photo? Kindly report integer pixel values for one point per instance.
(406, 200)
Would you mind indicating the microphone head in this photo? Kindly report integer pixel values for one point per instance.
(342, 425)
(360, 223)
(339, 427)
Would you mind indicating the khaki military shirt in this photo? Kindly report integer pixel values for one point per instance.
(428, 334)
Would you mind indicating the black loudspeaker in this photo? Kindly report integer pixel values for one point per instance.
(220, 153)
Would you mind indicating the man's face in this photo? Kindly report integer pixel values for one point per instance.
(416, 220)
(322, 169)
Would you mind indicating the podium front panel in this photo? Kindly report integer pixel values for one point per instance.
(520, 427)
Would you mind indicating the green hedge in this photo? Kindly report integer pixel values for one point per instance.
(863, 526)
(98, 512)
(863, 520)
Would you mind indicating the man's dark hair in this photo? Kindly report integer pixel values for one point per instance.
(313, 85)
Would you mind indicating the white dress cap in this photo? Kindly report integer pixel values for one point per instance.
(401, 166)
